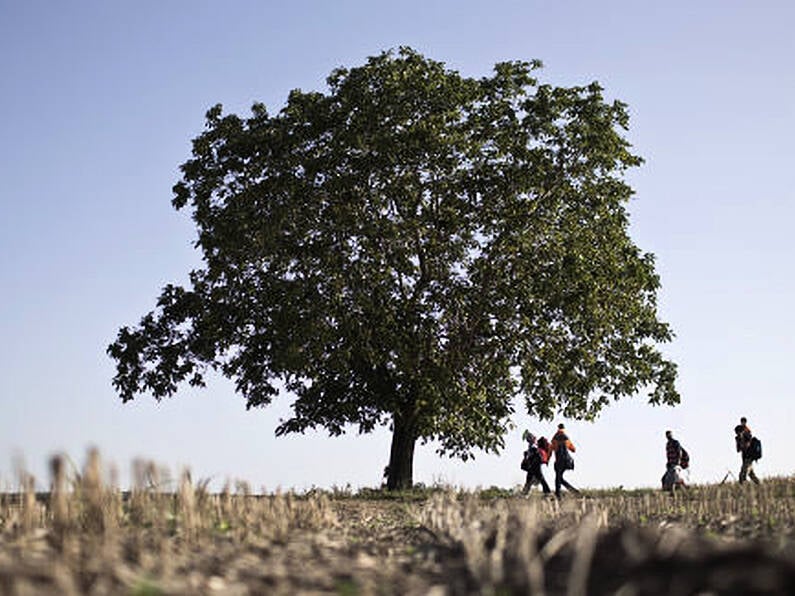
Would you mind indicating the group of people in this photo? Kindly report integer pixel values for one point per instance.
(748, 446)
(539, 452)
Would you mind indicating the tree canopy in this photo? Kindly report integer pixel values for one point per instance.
(412, 248)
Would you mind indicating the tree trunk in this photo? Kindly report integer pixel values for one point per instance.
(400, 473)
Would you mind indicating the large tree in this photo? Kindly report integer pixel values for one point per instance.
(412, 248)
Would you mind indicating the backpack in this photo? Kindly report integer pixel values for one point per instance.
(531, 459)
(684, 459)
(543, 449)
(563, 458)
(755, 449)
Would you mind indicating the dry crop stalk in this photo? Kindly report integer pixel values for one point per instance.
(187, 507)
(58, 498)
(29, 509)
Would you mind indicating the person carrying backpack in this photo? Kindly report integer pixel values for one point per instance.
(675, 458)
(532, 459)
(750, 450)
(561, 446)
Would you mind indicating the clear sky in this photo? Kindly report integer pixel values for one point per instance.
(99, 101)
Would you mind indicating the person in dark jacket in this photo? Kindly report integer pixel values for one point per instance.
(742, 440)
(534, 458)
(673, 458)
(673, 451)
(561, 445)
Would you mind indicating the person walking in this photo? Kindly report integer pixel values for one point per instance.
(743, 440)
(531, 463)
(561, 446)
(675, 458)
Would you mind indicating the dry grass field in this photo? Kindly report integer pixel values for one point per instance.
(85, 536)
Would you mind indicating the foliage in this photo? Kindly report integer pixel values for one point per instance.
(413, 248)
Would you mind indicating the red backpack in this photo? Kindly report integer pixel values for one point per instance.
(543, 449)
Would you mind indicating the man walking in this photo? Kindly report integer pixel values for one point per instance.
(561, 446)
(531, 463)
(675, 457)
(743, 440)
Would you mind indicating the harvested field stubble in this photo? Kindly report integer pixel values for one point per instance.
(87, 537)
(733, 540)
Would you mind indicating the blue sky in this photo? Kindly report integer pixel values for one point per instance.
(99, 103)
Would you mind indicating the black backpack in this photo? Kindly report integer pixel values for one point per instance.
(755, 449)
(684, 459)
(531, 459)
(563, 458)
